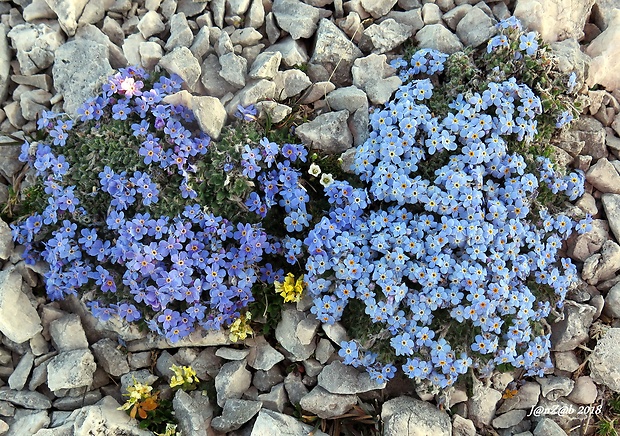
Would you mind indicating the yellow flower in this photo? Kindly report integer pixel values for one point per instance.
(183, 376)
(141, 400)
(290, 290)
(240, 329)
(171, 430)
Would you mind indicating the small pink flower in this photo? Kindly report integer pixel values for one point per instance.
(130, 87)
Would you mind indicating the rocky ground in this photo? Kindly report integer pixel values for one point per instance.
(63, 373)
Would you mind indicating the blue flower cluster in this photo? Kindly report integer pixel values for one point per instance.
(191, 269)
(459, 248)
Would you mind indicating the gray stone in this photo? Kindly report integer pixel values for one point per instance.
(11, 296)
(378, 8)
(306, 330)
(80, 68)
(571, 331)
(602, 266)
(324, 351)
(276, 111)
(39, 376)
(38, 10)
(411, 18)
(104, 418)
(269, 423)
(200, 46)
(276, 399)
(35, 45)
(27, 399)
(255, 16)
(232, 353)
(246, 37)
(214, 84)
(482, 405)
(210, 115)
(431, 14)
(384, 37)
(612, 302)
(6, 241)
(180, 33)
(293, 51)
(406, 415)
(548, 427)
(252, 94)
(4, 427)
(265, 65)
(338, 378)
(17, 380)
(131, 48)
(290, 83)
(71, 369)
(509, 419)
(611, 205)
(566, 361)
(553, 387)
(326, 405)
(585, 245)
(334, 51)
(110, 358)
(193, 411)
(475, 28)
(295, 388)
(68, 11)
(570, 58)
(264, 381)
(438, 37)
(605, 360)
(6, 409)
(143, 376)
(5, 63)
(453, 16)
(68, 334)
(584, 392)
(295, 17)
(181, 61)
(262, 355)
(235, 414)
(554, 20)
(75, 402)
(9, 164)
(602, 11)
(375, 77)
(232, 381)
(150, 54)
(462, 426)
(27, 422)
(163, 366)
(327, 132)
(592, 132)
(13, 113)
(336, 332)
(312, 367)
(151, 24)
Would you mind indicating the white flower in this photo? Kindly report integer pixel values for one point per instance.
(314, 170)
(327, 179)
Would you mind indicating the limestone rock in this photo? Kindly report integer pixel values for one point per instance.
(20, 374)
(193, 411)
(68, 334)
(235, 414)
(378, 8)
(295, 17)
(232, 381)
(11, 297)
(210, 115)
(68, 12)
(375, 77)
(29, 400)
(293, 51)
(151, 24)
(438, 37)
(71, 369)
(290, 83)
(552, 387)
(571, 331)
(262, 355)
(326, 405)
(327, 132)
(110, 358)
(476, 28)
(605, 52)
(482, 405)
(335, 52)
(604, 177)
(265, 65)
(406, 415)
(35, 45)
(602, 266)
(384, 37)
(213, 82)
(80, 68)
(548, 427)
(104, 418)
(180, 33)
(584, 391)
(338, 378)
(555, 20)
(6, 241)
(181, 61)
(269, 423)
(5, 63)
(604, 361)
